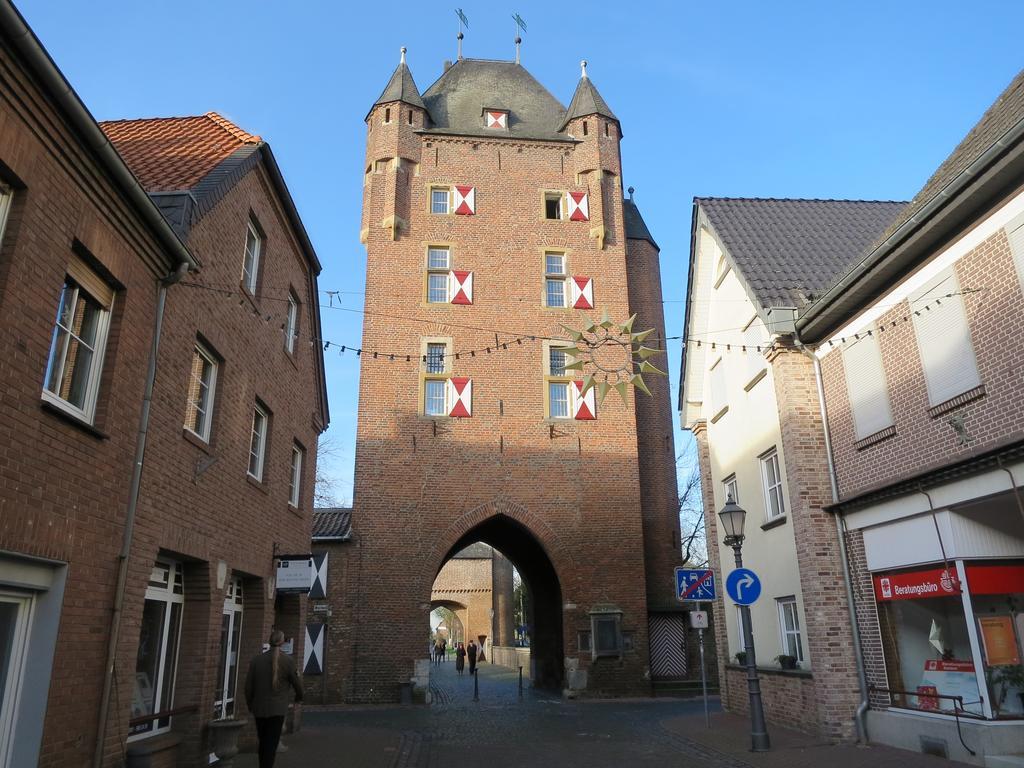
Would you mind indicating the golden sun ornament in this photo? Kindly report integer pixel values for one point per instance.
(612, 356)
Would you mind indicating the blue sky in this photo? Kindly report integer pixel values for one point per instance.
(785, 99)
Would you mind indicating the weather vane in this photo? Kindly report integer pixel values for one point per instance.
(612, 356)
(463, 22)
(520, 28)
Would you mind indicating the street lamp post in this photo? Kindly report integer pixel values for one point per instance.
(733, 517)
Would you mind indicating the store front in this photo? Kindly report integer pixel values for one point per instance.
(953, 637)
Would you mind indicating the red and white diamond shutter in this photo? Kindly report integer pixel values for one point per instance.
(582, 292)
(579, 206)
(460, 395)
(465, 201)
(460, 287)
(497, 119)
(584, 406)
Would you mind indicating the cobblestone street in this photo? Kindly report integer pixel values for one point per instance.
(541, 729)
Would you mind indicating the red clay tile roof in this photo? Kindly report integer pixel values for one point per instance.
(175, 153)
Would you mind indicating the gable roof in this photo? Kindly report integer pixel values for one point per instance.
(636, 227)
(790, 251)
(401, 87)
(171, 154)
(586, 101)
(332, 524)
(457, 99)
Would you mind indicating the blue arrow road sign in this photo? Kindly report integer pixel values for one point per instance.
(743, 586)
(696, 584)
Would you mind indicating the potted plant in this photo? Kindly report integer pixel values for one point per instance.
(786, 661)
(741, 658)
(224, 739)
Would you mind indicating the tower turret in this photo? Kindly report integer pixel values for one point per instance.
(598, 165)
(392, 152)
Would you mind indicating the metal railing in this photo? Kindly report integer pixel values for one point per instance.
(958, 706)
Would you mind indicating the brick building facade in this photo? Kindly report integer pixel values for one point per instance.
(896, 400)
(132, 533)
(492, 217)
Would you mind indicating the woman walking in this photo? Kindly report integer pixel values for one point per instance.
(271, 676)
(460, 658)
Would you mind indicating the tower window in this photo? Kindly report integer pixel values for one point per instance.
(410, 117)
(553, 205)
(435, 378)
(607, 129)
(558, 384)
(440, 200)
(584, 127)
(387, 115)
(554, 280)
(438, 264)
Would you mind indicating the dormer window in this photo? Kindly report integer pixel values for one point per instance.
(496, 119)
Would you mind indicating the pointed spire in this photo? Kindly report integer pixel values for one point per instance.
(401, 87)
(586, 100)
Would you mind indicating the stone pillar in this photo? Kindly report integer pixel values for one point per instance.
(502, 592)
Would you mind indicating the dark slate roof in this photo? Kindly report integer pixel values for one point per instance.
(636, 228)
(586, 101)
(401, 87)
(457, 99)
(790, 251)
(1007, 111)
(332, 523)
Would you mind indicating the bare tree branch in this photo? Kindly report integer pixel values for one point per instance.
(326, 491)
(691, 510)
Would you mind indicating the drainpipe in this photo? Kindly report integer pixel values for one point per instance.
(860, 715)
(133, 503)
(1014, 487)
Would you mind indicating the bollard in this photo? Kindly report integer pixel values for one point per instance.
(476, 687)
(520, 681)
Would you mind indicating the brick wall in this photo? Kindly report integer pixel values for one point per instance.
(922, 442)
(424, 485)
(788, 698)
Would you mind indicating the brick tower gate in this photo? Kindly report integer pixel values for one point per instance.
(492, 216)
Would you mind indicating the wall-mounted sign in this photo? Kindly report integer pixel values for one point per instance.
(320, 608)
(934, 582)
(998, 641)
(294, 573)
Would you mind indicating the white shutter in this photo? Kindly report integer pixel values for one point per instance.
(753, 337)
(1015, 232)
(943, 339)
(865, 383)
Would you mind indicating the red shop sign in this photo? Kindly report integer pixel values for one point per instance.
(995, 579)
(934, 582)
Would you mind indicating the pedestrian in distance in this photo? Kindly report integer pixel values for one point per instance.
(460, 658)
(272, 676)
(437, 652)
(471, 653)
(444, 650)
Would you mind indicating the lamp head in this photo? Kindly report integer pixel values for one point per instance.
(733, 517)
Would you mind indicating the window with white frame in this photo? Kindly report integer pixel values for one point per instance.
(731, 488)
(558, 383)
(202, 386)
(16, 608)
(866, 385)
(771, 476)
(753, 338)
(789, 626)
(435, 379)
(258, 441)
(79, 341)
(440, 200)
(295, 476)
(943, 338)
(156, 661)
(439, 262)
(251, 260)
(230, 640)
(555, 284)
(291, 324)
(716, 379)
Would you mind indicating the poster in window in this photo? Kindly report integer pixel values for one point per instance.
(952, 678)
(998, 641)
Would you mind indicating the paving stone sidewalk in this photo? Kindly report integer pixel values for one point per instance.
(502, 730)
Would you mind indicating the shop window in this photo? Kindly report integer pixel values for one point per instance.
(997, 600)
(230, 639)
(79, 342)
(156, 661)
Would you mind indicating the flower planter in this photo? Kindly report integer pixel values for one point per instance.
(224, 740)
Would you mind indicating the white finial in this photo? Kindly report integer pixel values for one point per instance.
(403, 55)
(583, 68)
